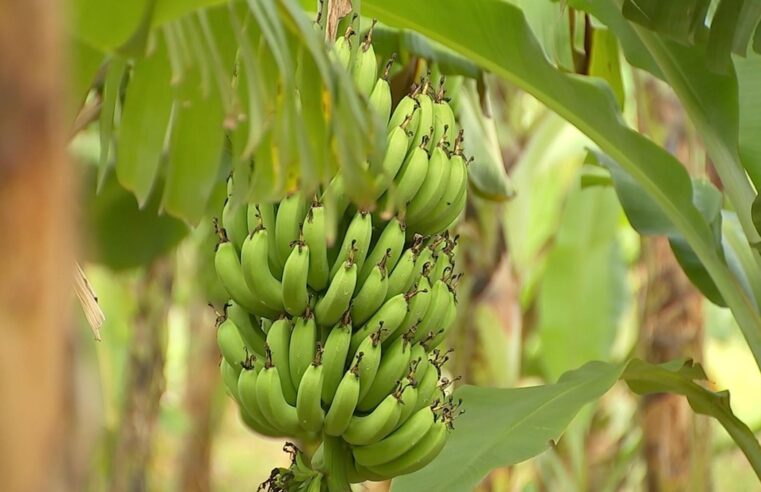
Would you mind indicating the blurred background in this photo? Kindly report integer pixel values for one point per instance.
(555, 277)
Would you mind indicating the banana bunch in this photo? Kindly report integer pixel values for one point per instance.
(333, 338)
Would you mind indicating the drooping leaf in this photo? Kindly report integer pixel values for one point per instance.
(121, 234)
(604, 62)
(646, 378)
(84, 63)
(681, 21)
(111, 91)
(143, 127)
(583, 289)
(749, 87)
(195, 149)
(502, 427)
(107, 24)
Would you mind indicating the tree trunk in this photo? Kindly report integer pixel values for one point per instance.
(36, 254)
(202, 379)
(676, 443)
(145, 381)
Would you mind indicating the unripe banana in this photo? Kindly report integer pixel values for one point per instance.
(393, 366)
(443, 117)
(371, 295)
(308, 406)
(452, 201)
(230, 377)
(417, 307)
(356, 242)
(336, 300)
(258, 426)
(427, 386)
(404, 273)
(437, 309)
(336, 201)
(365, 69)
(342, 48)
(249, 402)
(406, 107)
(419, 361)
(230, 343)
(342, 408)
(409, 397)
(273, 404)
(371, 428)
(446, 324)
(230, 274)
(420, 455)
(412, 175)
(397, 144)
(389, 317)
(389, 245)
(425, 126)
(380, 97)
(234, 222)
(295, 274)
(302, 347)
(334, 358)
(314, 237)
(256, 271)
(369, 362)
(433, 186)
(278, 343)
(398, 442)
(452, 214)
(263, 215)
(248, 329)
(290, 215)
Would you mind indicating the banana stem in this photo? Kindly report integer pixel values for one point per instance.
(337, 458)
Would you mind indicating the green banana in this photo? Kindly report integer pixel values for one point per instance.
(417, 308)
(380, 97)
(273, 403)
(249, 331)
(409, 397)
(437, 309)
(442, 268)
(334, 359)
(406, 107)
(365, 69)
(356, 242)
(250, 404)
(446, 323)
(397, 144)
(412, 175)
(278, 343)
(372, 293)
(336, 201)
(234, 222)
(389, 316)
(370, 349)
(434, 184)
(376, 425)
(419, 361)
(295, 274)
(394, 363)
(308, 408)
(337, 298)
(290, 215)
(301, 350)
(398, 442)
(342, 408)
(230, 378)
(427, 386)
(230, 274)
(314, 237)
(422, 453)
(230, 343)
(404, 273)
(342, 48)
(425, 126)
(389, 245)
(263, 215)
(452, 201)
(443, 116)
(256, 271)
